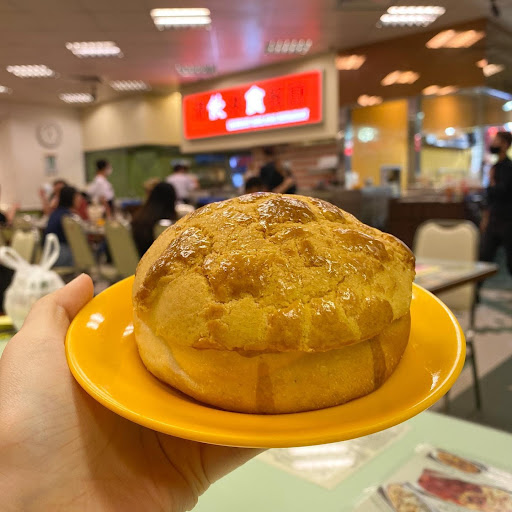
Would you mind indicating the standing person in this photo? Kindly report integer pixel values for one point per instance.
(276, 177)
(161, 204)
(496, 223)
(49, 203)
(100, 189)
(69, 202)
(183, 182)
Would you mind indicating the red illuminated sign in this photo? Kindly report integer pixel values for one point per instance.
(293, 100)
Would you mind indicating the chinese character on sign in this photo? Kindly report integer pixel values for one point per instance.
(216, 107)
(297, 94)
(275, 98)
(254, 101)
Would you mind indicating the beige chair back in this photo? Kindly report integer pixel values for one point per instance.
(450, 240)
(122, 248)
(24, 243)
(83, 257)
(184, 209)
(160, 227)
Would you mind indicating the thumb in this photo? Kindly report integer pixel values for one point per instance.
(50, 316)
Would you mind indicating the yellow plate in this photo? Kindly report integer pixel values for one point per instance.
(103, 357)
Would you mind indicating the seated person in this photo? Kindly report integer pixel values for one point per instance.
(253, 185)
(69, 199)
(161, 204)
(49, 203)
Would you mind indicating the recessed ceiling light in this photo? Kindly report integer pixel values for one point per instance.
(405, 15)
(289, 46)
(455, 39)
(197, 70)
(94, 49)
(181, 18)
(400, 77)
(369, 101)
(350, 62)
(507, 107)
(76, 97)
(5, 90)
(435, 90)
(450, 131)
(493, 69)
(129, 85)
(31, 71)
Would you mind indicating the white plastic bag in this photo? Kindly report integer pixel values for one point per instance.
(30, 282)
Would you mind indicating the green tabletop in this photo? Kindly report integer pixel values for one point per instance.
(258, 487)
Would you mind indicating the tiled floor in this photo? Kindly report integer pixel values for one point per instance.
(493, 347)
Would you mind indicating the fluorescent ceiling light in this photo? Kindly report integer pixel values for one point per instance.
(94, 49)
(411, 16)
(31, 71)
(455, 39)
(435, 90)
(400, 77)
(369, 101)
(350, 62)
(5, 90)
(76, 97)
(198, 70)
(507, 107)
(129, 85)
(181, 18)
(289, 46)
(493, 69)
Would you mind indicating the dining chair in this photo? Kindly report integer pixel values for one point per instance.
(184, 209)
(160, 227)
(122, 248)
(83, 258)
(24, 243)
(454, 241)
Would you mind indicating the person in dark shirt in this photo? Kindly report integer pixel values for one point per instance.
(275, 177)
(161, 204)
(496, 223)
(69, 199)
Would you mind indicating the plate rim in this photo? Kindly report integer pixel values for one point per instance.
(247, 440)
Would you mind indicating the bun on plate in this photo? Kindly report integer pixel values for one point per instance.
(272, 303)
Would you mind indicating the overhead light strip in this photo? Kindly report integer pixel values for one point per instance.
(76, 97)
(411, 16)
(181, 18)
(31, 71)
(93, 49)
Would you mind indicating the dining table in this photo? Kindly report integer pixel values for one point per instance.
(260, 487)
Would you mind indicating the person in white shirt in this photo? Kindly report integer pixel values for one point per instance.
(183, 182)
(100, 189)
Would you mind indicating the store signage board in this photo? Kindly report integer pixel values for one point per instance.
(292, 100)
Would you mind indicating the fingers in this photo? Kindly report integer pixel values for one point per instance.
(218, 461)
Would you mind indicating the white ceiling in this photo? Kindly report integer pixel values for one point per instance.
(35, 32)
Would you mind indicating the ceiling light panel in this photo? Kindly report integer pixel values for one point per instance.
(76, 97)
(369, 101)
(129, 85)
(31, 71)
(93, 49)
(197, 70)
(436, 90)
(455, 39)
(400, 78)
(492, 69)
(181, 18)
(5, 90)
(350, 62)
(289, 46)
(411, 16)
